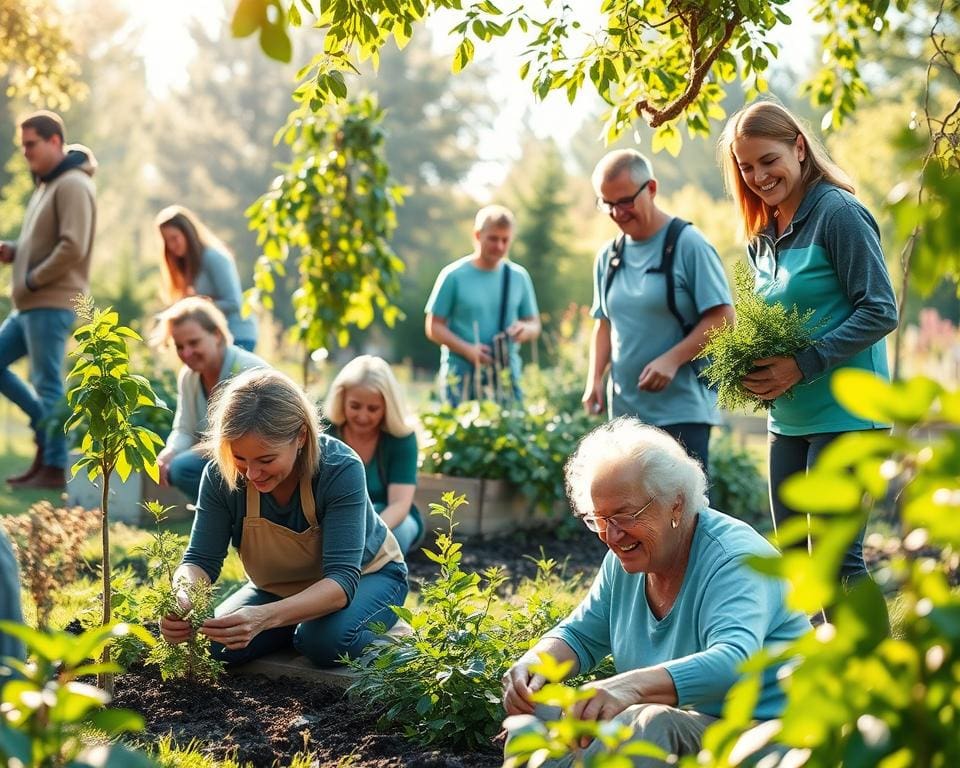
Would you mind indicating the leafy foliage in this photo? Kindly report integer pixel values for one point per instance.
(49, 714)
(191, 659)
(334, 204)
(442, 682)
(36, 55)
(736, 485)
(105, 396)
(559, 736)
(527, 446)
(908, 713)
(761, 330)
(659, 61)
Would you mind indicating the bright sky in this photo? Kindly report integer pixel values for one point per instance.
(167, 49)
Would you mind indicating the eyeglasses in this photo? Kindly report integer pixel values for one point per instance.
(622, 522)
(609, 206)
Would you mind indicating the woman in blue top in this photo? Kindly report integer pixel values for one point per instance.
(323, 567)
(674, 603)
(814, 246)
(195, 263)
(366, 410)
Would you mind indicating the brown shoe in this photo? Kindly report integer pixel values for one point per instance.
(31, 471)
(46, 477)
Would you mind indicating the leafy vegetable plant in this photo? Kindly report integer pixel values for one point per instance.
(527, 446)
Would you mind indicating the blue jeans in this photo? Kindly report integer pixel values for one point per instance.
(184, 473)
(41, 335)
(342, 633)
(409, 531)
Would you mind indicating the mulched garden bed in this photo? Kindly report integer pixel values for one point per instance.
(265, 722)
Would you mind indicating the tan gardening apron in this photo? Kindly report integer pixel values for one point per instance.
(284, 562)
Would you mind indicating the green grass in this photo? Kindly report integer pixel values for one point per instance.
(16, 453)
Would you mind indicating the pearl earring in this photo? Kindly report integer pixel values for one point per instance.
(674, 523)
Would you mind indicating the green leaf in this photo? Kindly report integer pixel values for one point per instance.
(869, 396)
(821, 492)
(116, 721)
(463, 55)
(275, 42)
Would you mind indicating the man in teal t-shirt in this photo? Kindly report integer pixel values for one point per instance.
(481, 309)
(636, 337)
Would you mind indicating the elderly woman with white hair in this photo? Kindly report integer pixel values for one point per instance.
(674, 603)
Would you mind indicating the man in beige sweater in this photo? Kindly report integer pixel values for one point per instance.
(51, 265)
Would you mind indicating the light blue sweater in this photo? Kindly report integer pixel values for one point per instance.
(724, 613)
(218, 278)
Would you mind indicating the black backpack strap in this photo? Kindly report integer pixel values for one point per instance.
(674, 228)
(613, 264)
(504, 296)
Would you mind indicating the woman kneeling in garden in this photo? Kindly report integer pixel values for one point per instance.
(322, 565)
(674, 602)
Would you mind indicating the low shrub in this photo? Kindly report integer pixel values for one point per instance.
(527, 446)
(442, 682)
(49, 544)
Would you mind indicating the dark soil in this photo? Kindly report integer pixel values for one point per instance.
(574, 548)
(265, 722)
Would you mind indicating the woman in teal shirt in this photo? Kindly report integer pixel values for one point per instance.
(813, 246)
(675, 603)
(366, 410)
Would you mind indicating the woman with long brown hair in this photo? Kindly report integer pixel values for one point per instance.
(814, 246)
(196, 263)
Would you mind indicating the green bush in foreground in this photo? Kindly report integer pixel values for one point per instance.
(50, 719)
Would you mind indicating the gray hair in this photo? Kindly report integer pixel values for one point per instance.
(493, 216)
(265, 402)
(614, 163)
(662, 465)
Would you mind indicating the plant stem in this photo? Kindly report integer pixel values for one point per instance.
(105, 679)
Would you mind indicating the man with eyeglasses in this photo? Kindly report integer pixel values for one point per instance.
(51, 266)
(481, 309)
(643, 339)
